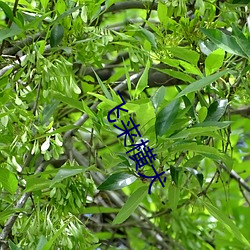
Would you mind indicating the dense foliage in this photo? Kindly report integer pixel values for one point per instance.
(182, 68)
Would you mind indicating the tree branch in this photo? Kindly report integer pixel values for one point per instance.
(21, 44)
(236, 177)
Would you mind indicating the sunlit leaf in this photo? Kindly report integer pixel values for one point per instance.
(8, 180)
(67, 172)
(158, 97)
(214, 61)
(131, 204)
(117, 181)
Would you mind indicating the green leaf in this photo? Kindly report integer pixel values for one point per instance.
(99, 210)
(214, 61)
(9, 211)
(34, 183)
(117, 181)
(68, 12)
(219, 125)
(7, 10)
(56, 35)
(223, 41)
(147, 35)
(186, 54)
(41, 243)
(132, 203)
(66, 172)
(44, 3)
(13, 246)
(198, 175)
(70, 101)
(177, 74)
(204, 150)
(197, 85)
(166, 117)
(173, 196)
(193, 132)
(216, 110)
(174, 172)
(49, 110)
(162, 12)
(9, 32)
(227, 223)
(202, 114)
(245, 2)
(158, 97)
(143, 81)
(8, 180)
(244, 45)
(104, 89)
(49, 244)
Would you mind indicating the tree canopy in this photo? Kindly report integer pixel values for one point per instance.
(124, 124)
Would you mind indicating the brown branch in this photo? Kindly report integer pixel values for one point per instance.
(21, 44)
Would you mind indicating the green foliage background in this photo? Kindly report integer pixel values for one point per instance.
(65, 178)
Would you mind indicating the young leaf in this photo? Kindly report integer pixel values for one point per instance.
(117, 181)
(132, 203)
(166, 117)
(56, 35)
(162, 12)
(8, 180)
(214, 61)
(186, 54)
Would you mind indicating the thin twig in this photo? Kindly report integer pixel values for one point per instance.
(148, 14)
(235, 176)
